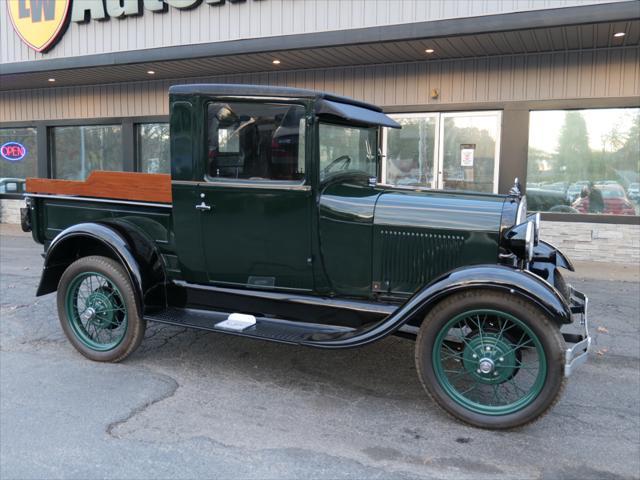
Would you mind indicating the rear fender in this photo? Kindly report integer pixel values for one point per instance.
(520, 283)
(120, 240)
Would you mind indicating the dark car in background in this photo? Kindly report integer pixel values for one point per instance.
(545, 199)
(12, 185)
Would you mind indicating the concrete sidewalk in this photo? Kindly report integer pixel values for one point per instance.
(584, 269)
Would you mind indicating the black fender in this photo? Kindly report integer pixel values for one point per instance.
(545, 263)
(547, 253)
(520, 283)
(117, 239)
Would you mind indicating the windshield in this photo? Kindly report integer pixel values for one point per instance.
(347, 149)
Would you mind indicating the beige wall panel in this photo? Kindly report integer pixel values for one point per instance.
(253, 19)
(565, 75)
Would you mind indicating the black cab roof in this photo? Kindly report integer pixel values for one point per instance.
(326, 103)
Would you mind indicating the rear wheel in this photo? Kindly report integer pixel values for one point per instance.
(491, 360)
(98, 312)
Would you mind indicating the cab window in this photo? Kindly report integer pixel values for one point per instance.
(347, 148)
(255, 141)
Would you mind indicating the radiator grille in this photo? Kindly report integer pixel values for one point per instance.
(412, 259)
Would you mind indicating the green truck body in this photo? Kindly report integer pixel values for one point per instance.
(278, 217)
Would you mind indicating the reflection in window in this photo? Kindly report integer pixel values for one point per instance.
(18, 158)
(153, 147)
(347, 148)
(255, 141)
(584, 161)
(451, 151)
(469, 151)
(410, 151)
(79, 150)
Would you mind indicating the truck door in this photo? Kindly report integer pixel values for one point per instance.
(186, 219)
(348, 195)
(254, 200)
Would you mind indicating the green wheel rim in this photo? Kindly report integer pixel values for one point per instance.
(96, 311)
(489, 362)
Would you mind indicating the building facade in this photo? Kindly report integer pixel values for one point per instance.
(486, 91)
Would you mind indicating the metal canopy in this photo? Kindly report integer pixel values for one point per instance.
(495, 35)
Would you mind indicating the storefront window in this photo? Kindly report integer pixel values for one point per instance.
(449, 151)
(153, 147)
(584, 161)
(79, 150)
(18, 158)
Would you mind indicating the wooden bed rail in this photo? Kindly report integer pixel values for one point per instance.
(144, 187)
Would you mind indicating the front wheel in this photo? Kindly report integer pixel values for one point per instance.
(490, 359)
(98, 310)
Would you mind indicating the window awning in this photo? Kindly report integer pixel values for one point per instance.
(355, 114)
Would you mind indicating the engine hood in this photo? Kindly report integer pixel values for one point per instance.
(420, 235)
(440, 210)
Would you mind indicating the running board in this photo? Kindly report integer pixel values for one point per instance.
(265, 328)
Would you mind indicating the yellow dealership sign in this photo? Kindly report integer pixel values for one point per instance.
(40, 23)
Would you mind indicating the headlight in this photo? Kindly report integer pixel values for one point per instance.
(521, 239)
(535, 218)
(522, 211)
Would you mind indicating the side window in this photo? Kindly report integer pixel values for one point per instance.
(255, 141)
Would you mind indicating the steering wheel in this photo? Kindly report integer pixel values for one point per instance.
(346, 159)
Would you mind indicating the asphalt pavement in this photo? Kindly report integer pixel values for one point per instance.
(190, 404)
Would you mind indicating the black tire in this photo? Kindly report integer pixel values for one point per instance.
(546, 331)
(135, 326)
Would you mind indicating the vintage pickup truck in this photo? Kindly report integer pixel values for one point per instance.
(273, 225)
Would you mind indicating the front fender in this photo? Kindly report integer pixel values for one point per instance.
(545, 252)
(522, 283)
(119, 240)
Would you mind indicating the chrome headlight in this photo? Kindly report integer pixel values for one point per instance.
(521, 239)
(521, 214)
(535, 218)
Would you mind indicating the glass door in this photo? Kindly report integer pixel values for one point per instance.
(448, 151)
(410, 152)
(469, 151)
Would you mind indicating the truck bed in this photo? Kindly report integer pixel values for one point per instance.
(141, 199)
(143, 187)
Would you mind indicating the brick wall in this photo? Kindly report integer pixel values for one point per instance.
(10, 210)
(600, 242)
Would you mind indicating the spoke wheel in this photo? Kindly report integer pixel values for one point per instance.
(96, 311)
(490, 359)
(496, 372)
(99, 309)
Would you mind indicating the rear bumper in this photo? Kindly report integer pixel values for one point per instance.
(578, 344)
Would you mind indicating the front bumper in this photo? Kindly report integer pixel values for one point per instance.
(577, 353)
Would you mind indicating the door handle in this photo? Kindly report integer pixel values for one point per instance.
(203, 207)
